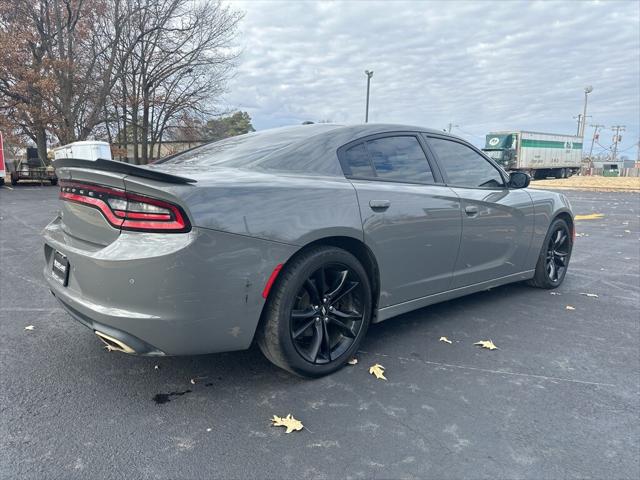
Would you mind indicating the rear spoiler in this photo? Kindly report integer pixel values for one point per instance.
(121, 167)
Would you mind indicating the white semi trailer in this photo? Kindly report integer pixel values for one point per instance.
(541, 155)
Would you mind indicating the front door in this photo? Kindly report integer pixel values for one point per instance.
(497, 222)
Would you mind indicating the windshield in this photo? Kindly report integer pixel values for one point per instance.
(499, 142)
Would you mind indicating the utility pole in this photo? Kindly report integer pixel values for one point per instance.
(587, 90)
(616, 139)
(369, 74)
(450, 126)
(596, 127)
(581, 120)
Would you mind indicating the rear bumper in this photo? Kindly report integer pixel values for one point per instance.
(173, 294)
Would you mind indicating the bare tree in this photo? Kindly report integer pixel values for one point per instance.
(180, 58)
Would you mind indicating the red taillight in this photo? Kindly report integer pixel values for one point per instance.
(127, 211)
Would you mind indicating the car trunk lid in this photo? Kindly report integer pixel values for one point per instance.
(94, 195)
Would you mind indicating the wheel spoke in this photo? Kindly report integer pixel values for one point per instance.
(341, 281)
(344, 292)
(313, 291)
(343, 327)
(302, 314)
(299, 331)
(552, 270)
(317, 342)
(560, 238)
(322, 281)
(556, 241)
(346, 315)
(326, 341)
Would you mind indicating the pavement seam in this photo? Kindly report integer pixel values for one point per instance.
(486, 370)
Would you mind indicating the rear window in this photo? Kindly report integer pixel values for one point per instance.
(249, 151)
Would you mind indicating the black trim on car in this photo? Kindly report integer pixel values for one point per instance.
(121, 167)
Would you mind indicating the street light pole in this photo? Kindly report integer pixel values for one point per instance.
(369, 74)
(587, 90)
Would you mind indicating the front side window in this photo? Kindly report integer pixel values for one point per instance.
(465, 167)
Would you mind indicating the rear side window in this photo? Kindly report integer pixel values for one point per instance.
(399, 159)
(465, 167)
(358, 162)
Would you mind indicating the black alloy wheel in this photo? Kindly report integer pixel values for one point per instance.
(317, 312)
(553, 260)
(558, 249)
(328, 313)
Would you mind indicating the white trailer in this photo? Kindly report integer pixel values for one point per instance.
(86, 150)
(539, 154)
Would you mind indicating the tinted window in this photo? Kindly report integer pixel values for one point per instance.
(399, 158)
(289, 149)
(465, 167)
(358, 161)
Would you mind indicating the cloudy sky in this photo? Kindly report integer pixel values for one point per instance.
(481, 65)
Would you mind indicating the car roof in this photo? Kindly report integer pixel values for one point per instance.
(305, 149)
(334, 135)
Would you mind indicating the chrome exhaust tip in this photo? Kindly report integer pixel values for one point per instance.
(113, 344)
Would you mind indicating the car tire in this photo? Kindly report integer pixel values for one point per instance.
(554, 257)
(318, 311)
(54, 181)
(1, 181)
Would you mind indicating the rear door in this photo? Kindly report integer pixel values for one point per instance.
(497, 222)
(411, 221)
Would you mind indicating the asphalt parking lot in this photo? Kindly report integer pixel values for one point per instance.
(559, 398)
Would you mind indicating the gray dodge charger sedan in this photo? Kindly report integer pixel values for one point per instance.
(296, 237)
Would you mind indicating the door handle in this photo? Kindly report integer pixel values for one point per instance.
(471, 211)
(379, 205)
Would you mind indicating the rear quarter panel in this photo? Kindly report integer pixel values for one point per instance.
(291, 209)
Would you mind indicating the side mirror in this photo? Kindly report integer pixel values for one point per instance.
(519, 180)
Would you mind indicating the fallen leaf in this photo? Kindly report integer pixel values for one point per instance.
(589, 216)
(378, 371)
(445, 339)
(353, 361)
(589, 294)
(289, 422)
(486, 344)
(208, 429)
(29, 327)
(555, 293)
(627, 231)
(569, 307)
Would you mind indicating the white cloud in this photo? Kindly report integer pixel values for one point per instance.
(481, 65)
